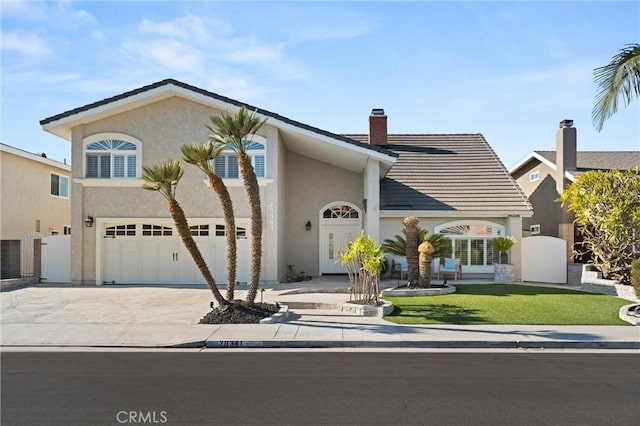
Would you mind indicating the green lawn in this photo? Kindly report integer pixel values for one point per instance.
(509, 304)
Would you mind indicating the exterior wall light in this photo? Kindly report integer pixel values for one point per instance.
(308, 225)
(88, 222)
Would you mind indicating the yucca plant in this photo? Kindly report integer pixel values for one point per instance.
(164, 178)
(503, 245)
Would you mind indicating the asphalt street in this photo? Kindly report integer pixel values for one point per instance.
(220, 387)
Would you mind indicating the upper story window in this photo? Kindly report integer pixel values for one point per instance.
(226, 164)
(534, 176)
(59, 185)
(112, 156)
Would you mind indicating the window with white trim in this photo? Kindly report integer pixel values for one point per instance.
(470, 241)
(534, 229)
(66, 230)
(226, 164)
(534, 176)
(59, 185)
(111, 159)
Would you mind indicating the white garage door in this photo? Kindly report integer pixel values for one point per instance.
(148, 253)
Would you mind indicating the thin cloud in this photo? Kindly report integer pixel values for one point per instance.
(25, 44)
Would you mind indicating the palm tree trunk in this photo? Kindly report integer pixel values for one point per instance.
(253, 193)
(411, 226)
(182, 226)
(229, 220)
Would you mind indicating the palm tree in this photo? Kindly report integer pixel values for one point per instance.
(411, 227)
(397, 245)
(234, 131)
(164, 178)
(620, 77)
(203, 156)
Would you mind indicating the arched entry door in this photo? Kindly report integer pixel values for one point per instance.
(340, 223)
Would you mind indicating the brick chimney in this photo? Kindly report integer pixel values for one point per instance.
(377, 127)
(566, 156)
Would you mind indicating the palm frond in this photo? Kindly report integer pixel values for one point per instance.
(620, 78)
(234, 130)
(397, 245)
(163, 177)
(201, 156)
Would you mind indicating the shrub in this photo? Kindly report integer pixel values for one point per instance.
(635, 276)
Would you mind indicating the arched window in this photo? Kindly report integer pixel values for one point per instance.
(111, 156)
(470, 241)
(226, 164)
(340, 212)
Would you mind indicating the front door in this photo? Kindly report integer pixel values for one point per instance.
(336, 238)
(340, 223)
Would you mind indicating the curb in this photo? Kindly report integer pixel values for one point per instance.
(626, 317)
(480, 344)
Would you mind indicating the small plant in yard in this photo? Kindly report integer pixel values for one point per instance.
(293, 276)
(363, 260)
(502, 245)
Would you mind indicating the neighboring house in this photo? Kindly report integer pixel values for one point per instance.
(318, 190)
(35, 203)
(543, 175)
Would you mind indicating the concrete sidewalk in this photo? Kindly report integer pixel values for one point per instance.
(138, 317)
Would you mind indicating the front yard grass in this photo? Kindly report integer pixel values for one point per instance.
(509, 304)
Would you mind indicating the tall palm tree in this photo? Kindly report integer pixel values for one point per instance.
(234, 131)
(203, 156)
(619, 78)
(164, 178)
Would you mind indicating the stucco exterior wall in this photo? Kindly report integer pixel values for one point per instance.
(163, 127)
(26, 198)
(312, 184)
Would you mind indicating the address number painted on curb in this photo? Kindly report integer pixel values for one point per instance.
(232, 344)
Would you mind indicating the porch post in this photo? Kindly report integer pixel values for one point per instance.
(371, 202)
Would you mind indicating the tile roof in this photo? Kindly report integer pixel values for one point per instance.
(600, 160)
(447, 173)
(215, 96)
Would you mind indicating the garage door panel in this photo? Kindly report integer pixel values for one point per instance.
(155, 254)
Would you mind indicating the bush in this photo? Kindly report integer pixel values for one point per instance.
(635, 276)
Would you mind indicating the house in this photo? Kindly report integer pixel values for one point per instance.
(318, 189)
(35, 203)
(543, 176)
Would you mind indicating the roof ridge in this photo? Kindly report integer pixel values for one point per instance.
(219, 97)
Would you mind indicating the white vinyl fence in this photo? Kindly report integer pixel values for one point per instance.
(544, 260)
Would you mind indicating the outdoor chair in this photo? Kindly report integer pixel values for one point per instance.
(451, 266)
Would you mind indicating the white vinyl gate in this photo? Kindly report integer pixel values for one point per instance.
(544, 260)
(56, 259)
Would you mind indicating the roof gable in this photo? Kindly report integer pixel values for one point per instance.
(586, 160)
(60, 124)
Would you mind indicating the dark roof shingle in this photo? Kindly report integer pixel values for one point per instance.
(600, 160)
(447, 172)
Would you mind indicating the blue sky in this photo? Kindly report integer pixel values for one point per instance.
(509, 70)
